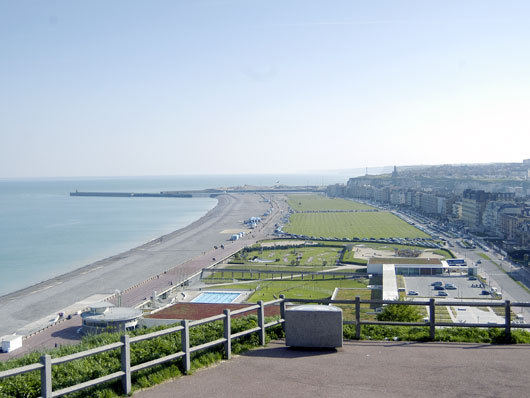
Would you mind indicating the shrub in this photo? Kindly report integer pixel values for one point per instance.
(74, 372)
(399, 313)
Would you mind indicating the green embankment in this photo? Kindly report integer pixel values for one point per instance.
(298, 255)
(296, 288)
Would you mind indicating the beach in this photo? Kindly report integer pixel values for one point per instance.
(127, 269)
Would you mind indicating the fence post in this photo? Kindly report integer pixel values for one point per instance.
(227, 334)
(432, 318)
(261, 322)
(126, 364)
(507, 321)
(357, 317)
(46, 376)
(282, 310)
(185, 343)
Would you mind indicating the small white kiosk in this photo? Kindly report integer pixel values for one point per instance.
(11, 343)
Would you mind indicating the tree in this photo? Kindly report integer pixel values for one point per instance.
(399, 313)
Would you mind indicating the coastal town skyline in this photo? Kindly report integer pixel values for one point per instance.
(231, 87)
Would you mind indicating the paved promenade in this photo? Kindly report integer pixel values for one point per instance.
(362, 369)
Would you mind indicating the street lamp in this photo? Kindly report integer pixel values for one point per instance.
(118, 294)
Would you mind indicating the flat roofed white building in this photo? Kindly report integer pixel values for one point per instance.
(11, 342)
(406, 265)
(390, 289)
(416, 266)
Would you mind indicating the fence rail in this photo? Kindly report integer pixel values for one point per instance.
(46, 362)
(431, 323)
(298, 273)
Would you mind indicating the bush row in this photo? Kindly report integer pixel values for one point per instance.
(78, 371)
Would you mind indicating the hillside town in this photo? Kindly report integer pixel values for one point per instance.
(490, 202)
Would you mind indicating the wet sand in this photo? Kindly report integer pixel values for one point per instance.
(131, 267)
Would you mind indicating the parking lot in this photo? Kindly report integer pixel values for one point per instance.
(464, 289)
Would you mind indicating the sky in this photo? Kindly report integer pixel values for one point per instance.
(133, 88)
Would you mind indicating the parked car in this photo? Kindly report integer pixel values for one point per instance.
(485, 293)
(450, 286)
(439, 287)
(413, 293)
(472, 278)
(437, 283)
(442, 294)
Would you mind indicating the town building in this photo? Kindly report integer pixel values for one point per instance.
(415, 266)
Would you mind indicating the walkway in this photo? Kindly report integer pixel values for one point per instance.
(361, 369)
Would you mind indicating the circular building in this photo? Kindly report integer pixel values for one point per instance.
(105, 317)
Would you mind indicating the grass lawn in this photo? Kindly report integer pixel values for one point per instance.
(349, 257)
(320, 202)
(310, 256)
(347, 225)
(318, 289)
(367, 311)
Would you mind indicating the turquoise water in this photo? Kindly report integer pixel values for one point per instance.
(44, 232)
(215, 297)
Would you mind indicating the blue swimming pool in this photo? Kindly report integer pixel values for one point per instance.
(216, 297)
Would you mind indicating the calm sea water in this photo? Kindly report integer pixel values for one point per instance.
(44, 232)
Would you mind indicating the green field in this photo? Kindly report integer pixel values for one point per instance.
(348, 310)
(349, 255)
(310, 256)
(269, 290)
(347, 225)
(319, 202)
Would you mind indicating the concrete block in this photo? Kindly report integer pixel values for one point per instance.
(313, 326)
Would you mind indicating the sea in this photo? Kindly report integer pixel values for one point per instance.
(44, 232)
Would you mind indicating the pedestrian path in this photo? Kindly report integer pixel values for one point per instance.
(361, 369)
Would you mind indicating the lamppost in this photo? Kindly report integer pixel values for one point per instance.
(118, 295)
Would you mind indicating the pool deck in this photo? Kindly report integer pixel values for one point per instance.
(362, 369)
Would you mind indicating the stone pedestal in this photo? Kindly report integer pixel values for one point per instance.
(313, 326)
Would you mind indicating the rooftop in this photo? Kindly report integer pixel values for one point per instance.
(403, 260)
(113, 314)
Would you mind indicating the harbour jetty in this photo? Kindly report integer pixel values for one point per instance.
(168, 194)
(211, 193)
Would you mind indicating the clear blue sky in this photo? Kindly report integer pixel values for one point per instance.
(94, 88)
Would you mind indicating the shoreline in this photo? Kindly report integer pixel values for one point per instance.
(124, 270)
(91, 266)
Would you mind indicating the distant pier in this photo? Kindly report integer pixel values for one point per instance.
(191, 194)
(205, 193)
